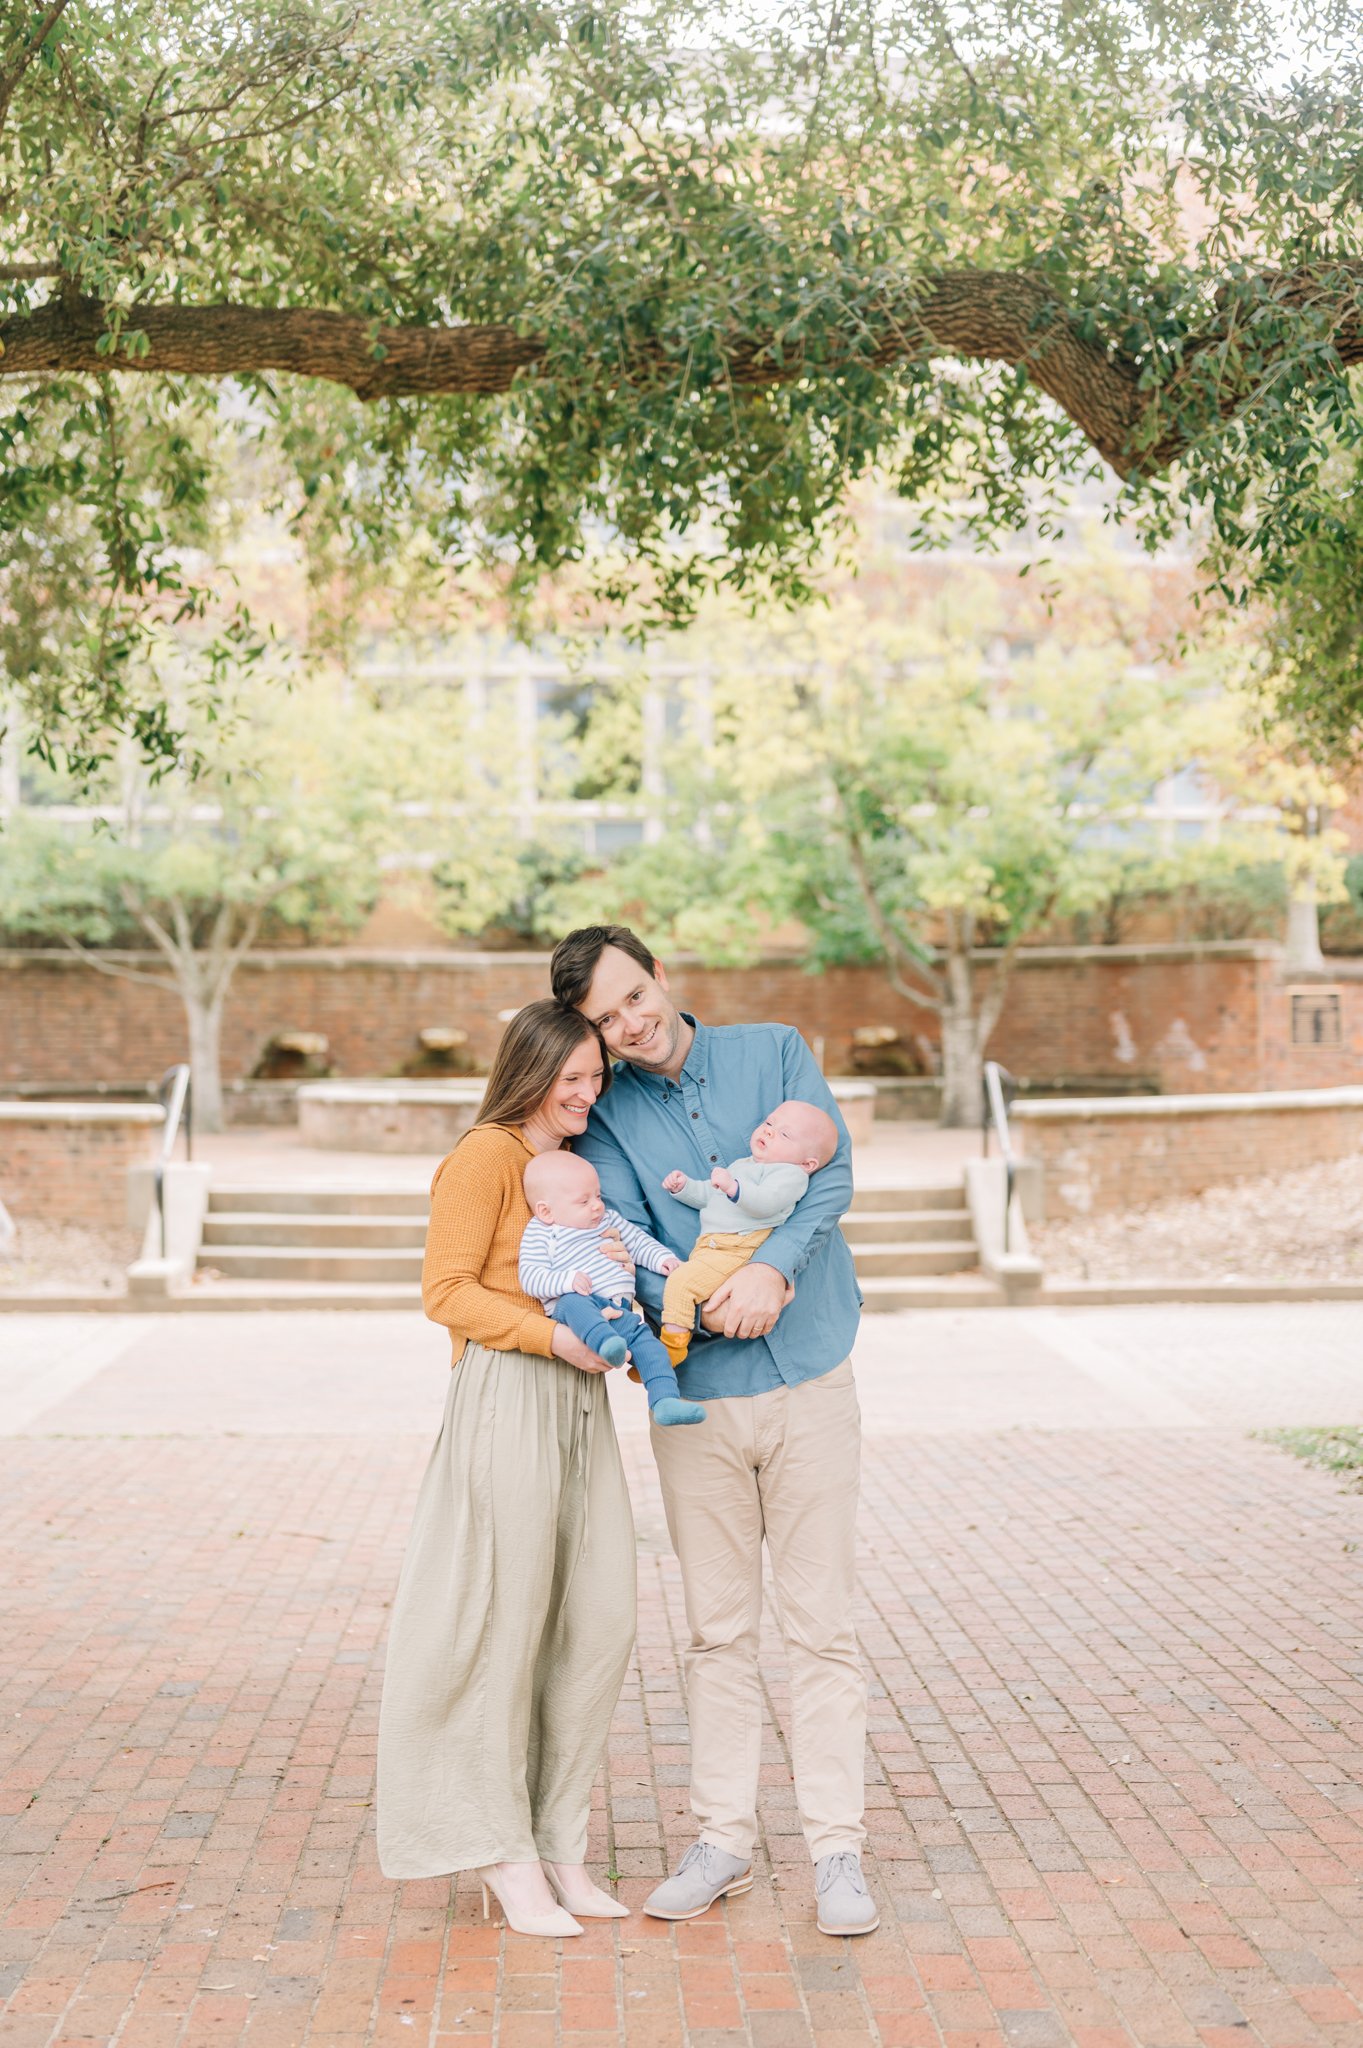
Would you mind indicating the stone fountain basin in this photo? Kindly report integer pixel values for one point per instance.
(431, 1116)
(387, 1116)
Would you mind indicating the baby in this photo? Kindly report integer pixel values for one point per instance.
(740, 1206)
(562, 1265)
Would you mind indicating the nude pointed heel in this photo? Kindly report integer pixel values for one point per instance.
(607, 1908)
(548, 1924)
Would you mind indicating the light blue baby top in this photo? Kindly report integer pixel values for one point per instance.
(767, 1192)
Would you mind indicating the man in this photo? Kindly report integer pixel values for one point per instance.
(779, 1451)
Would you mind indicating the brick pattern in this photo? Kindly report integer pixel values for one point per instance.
(1189, 1018)
(1095, 1164)
(71, 1171)
(1113, 1773)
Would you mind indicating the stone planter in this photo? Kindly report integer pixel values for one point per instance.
(387, 1116)
(857, 1101)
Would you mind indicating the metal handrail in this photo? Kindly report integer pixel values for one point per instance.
(997, 1080)
(173, 1090)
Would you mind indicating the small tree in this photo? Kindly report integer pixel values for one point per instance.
(879, 782)
(285, 829)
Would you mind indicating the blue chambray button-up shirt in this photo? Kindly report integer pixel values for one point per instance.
(735, 1074)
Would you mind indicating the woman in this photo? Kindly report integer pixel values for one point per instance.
(514, 1616)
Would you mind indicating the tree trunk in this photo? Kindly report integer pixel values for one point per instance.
(962, 1071)
(205, 1057)
(963, 1034)
(1302, 954)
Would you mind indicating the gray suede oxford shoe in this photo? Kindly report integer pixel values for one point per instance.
(704, 1874)
(843, 1903)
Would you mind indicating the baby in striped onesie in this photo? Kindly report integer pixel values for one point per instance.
(563, 1265)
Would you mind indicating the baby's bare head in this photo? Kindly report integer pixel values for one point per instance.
(796, 1134)
(561, 1188)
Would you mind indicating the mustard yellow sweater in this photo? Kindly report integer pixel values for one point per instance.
(469, 1281)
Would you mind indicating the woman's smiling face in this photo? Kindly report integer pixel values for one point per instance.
(564, 1110)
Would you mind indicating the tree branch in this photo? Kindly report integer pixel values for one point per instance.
(898, 959)
(981, 315)
(94, 959)
(227, 341)
(154, 929)
(11, 78)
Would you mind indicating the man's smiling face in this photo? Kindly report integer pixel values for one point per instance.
(635, 1015)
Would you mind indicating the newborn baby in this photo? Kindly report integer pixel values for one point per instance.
(563, 1265)
(740, 1206)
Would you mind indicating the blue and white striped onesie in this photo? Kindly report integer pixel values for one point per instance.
(551, 1254)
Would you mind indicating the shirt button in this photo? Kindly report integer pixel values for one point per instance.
(695, 1116)
(713, 1157)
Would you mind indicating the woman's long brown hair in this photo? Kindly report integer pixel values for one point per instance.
(534, 1047)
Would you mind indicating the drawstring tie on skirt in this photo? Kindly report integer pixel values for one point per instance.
(585, 1406)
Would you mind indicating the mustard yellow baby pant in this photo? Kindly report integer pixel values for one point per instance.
(715, 1257)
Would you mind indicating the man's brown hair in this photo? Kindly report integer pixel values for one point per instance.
(575, 959)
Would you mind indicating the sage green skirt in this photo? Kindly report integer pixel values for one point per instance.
(512, 1626)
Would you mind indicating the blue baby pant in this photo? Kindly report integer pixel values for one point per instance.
(582, 1314)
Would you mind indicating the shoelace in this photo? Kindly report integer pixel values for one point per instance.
(701, 1853)
(844, 1864)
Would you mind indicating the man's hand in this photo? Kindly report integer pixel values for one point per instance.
(582, 1283)
(748, 1303)
(612, 1247)
(722, 1179)
(675, 1182)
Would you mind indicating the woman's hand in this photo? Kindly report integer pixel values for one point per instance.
(568, 1346)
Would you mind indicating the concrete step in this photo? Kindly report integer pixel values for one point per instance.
(947, 1290)
(881, 1225)
(314, 1294)
(283, 1262)
(249, 1226)
(949, 1195)
(877, 1260)
(319, 1199)
(260, 1257)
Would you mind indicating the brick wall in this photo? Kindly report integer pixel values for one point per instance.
(1189, 1018)
(1098, 1156)
(68, 1163)
(1314, 1066)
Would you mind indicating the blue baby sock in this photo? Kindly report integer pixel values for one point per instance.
(672, 1409)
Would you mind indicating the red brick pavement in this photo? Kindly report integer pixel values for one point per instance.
(1114, 1775)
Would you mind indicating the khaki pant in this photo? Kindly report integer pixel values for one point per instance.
(512, 1625)
(785, 1466)
(715, 1257)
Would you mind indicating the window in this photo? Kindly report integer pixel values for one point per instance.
(1316, 1016)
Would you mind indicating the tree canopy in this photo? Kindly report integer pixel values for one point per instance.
(879, 776)
(648, 284)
